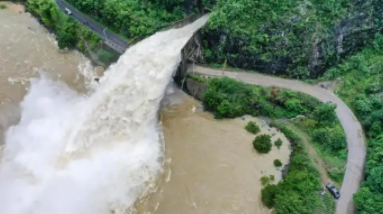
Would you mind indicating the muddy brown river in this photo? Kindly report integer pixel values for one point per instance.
(210, 165)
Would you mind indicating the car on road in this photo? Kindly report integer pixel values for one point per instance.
(67, 11)
(331, 188)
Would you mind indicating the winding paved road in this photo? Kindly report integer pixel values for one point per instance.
(111, 39)
(354, 133)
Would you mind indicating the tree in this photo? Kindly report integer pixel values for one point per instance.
(278, 143)
(293, 202)
(228, 98)
(67, 35)
(375, 179)
(133, 18)
(252, 127)
(325, 113)
(265, 180)
(269, 194)
(331, 138)
(277, 163)
(368, 202)
(105, 56)
(262, 143)
(362, 105)
(225, 110)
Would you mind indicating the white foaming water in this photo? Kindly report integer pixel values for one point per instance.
(94, 154)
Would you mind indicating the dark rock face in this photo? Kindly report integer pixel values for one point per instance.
(196, 88)
(191, 6)
(307, 56)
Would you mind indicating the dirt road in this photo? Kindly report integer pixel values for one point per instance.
(354, 133)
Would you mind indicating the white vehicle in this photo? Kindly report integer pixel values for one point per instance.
(67, 11)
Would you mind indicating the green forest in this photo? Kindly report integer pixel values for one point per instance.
(361, 86)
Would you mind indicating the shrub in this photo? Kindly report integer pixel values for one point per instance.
(262, 143)
(3, 6)
(333, 139)
(278, 143)
(277, 163)
(265, 180)
(228, 98)
(66, 34)
(308, 123)
(325, 114)
(269, 194)
(105, 56)
(252, 127)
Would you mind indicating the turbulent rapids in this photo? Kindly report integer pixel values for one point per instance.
(72, 153)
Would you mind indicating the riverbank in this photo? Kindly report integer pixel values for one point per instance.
(211, 166)
(354, 149)
(28, 50)
(69, 33)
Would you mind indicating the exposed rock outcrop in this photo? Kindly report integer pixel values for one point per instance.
(196, 88)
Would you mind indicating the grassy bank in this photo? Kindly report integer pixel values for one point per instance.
(361, 87)
(299, 192)
(328, 138)
(331, 163)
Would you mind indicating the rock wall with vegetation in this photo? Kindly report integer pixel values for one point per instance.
(298, 38)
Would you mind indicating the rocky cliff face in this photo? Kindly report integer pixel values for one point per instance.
(294, 46)
(196, 88)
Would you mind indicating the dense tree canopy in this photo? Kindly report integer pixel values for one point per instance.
(369, 199)
(325, 114)
(362, 88)
(134, 19)
(269, 194)
(229, 98)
